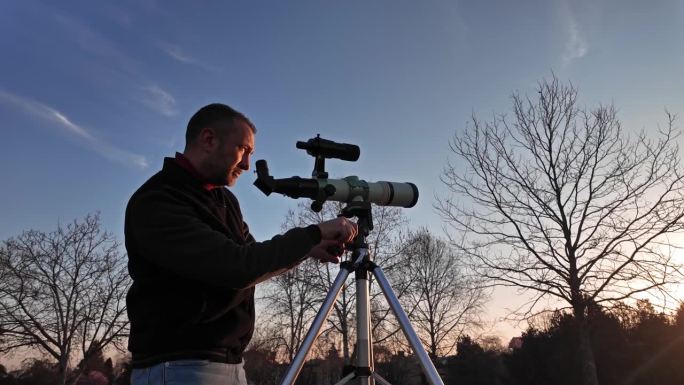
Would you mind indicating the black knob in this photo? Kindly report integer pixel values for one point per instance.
(329, 190)
(317, 206)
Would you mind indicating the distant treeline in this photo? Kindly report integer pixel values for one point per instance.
(632, 346)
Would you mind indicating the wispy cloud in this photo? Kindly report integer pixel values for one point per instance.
(159, 100)
(576, 46)
(98, 45)
(177, 53)
(110, 55)
(85, 137)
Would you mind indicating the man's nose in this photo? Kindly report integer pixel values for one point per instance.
(244, 162)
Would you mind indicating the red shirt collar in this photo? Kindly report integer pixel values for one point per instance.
(182, 161)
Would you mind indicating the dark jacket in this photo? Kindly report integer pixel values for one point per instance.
(194, 265)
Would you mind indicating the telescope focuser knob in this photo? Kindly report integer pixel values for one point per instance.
(316, 206)
(328, 191)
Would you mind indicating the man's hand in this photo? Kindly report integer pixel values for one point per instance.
(339, 229)
(327, 251)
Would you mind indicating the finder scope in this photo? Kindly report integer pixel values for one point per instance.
(320, 188)
(328, 149)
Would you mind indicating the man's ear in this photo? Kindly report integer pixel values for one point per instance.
(208, 139)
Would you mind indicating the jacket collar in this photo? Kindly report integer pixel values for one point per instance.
(184, 163)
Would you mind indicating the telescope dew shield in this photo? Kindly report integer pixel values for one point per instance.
(395, 194)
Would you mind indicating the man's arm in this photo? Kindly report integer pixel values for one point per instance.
(168, 233)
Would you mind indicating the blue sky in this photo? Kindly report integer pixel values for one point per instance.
(94, 94)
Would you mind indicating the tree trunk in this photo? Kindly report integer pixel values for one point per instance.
(585, 354)
(345, 341)
(62, 368)
(76, 378)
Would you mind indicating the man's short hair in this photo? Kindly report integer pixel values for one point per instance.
(211, 115)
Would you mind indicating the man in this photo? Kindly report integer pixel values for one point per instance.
(194, 263)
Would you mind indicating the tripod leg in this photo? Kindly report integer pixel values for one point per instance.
(346, 379)
(381, 380)
(312, 334)
(364, 363)
(425, 362)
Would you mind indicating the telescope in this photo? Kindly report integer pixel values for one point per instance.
(358, 196)
(320, 188)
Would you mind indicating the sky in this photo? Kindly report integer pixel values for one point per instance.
(93, 94)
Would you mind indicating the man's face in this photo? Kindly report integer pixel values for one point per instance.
(231, 155)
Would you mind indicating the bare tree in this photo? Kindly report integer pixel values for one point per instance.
(291, 305)
(63, 293)
(444, 300)
(557, 200)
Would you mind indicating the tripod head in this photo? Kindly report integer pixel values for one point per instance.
(364, 214)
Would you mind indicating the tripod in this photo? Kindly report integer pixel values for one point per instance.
(362, 264)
